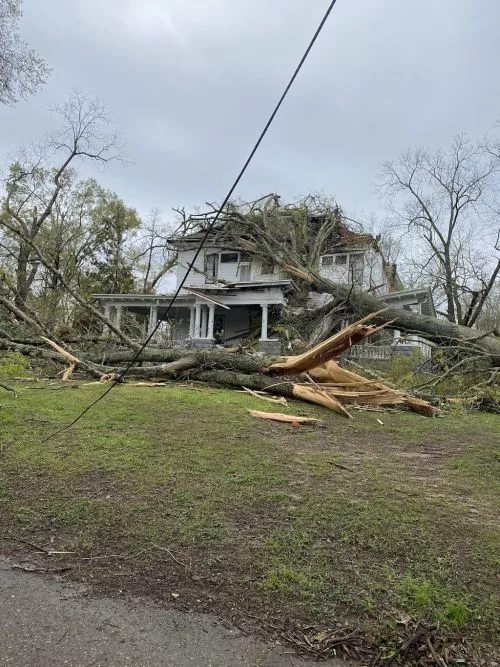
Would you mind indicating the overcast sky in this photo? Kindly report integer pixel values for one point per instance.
(190, 83)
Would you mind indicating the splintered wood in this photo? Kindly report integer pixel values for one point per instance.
(294, 420)
(334, 387)
(330, 348)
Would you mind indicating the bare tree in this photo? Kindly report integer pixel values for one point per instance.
(154, 257)
(444, 203)
(22, 71)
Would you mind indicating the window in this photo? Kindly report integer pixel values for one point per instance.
(211, 267)
(327, 260)
(245, 272)
(229, 257)
(340, 260)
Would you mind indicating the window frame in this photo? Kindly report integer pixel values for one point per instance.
(226, 253)
(329, 263)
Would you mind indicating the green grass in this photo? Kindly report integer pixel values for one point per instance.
(260, 514)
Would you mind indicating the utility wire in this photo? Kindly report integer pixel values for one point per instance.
(209, 228)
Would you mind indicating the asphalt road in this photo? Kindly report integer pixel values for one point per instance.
(44, 622)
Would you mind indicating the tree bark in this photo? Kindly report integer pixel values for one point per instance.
(436, 330)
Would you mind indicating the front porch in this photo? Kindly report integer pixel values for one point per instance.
(199, 318)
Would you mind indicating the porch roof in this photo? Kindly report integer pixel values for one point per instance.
(143, 299)
(421, 295)
(240, 285)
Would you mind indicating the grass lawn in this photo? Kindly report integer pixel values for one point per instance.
(354, 524)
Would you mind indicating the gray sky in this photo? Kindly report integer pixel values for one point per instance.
(189, 83)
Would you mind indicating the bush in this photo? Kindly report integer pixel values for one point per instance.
(486, 400)
(13, 364)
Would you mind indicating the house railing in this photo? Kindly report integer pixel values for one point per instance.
(385, 352)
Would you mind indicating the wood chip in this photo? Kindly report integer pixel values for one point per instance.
(280, 417)
(281, 400)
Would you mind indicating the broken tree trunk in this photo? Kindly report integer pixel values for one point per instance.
(330, 348)
(439, 331)
(313, 377)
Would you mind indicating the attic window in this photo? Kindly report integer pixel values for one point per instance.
(229, 257)
(327, 260)
(340, 259)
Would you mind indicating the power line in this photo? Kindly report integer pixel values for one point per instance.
(210, 226)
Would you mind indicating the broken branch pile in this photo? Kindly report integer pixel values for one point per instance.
(314, 376)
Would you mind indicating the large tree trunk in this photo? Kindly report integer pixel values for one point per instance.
(441, 332)
(22, 281)
(313, 376)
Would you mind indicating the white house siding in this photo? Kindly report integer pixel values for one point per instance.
(228, 272)
(330, 269)
(372, 273)
(185, 259)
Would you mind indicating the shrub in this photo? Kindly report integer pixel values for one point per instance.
(13, 364)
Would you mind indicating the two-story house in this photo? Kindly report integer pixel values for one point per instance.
(230, 296)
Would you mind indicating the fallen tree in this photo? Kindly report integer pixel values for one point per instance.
(313, 377)
(440, 331)
(295, 237)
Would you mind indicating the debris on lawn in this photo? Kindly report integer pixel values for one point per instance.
(324, 644)
(328, 349)
(485, 400)
(314, 376)
(422, 643)
(332, 386)
(7, 388)
(294, 420)
(281, 400)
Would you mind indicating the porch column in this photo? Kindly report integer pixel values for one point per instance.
(211, 318)
(191, 322)
(153, 318)
(204, 317)
(263, 332)
(197, 321)
(118, 316)
(107, 315)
